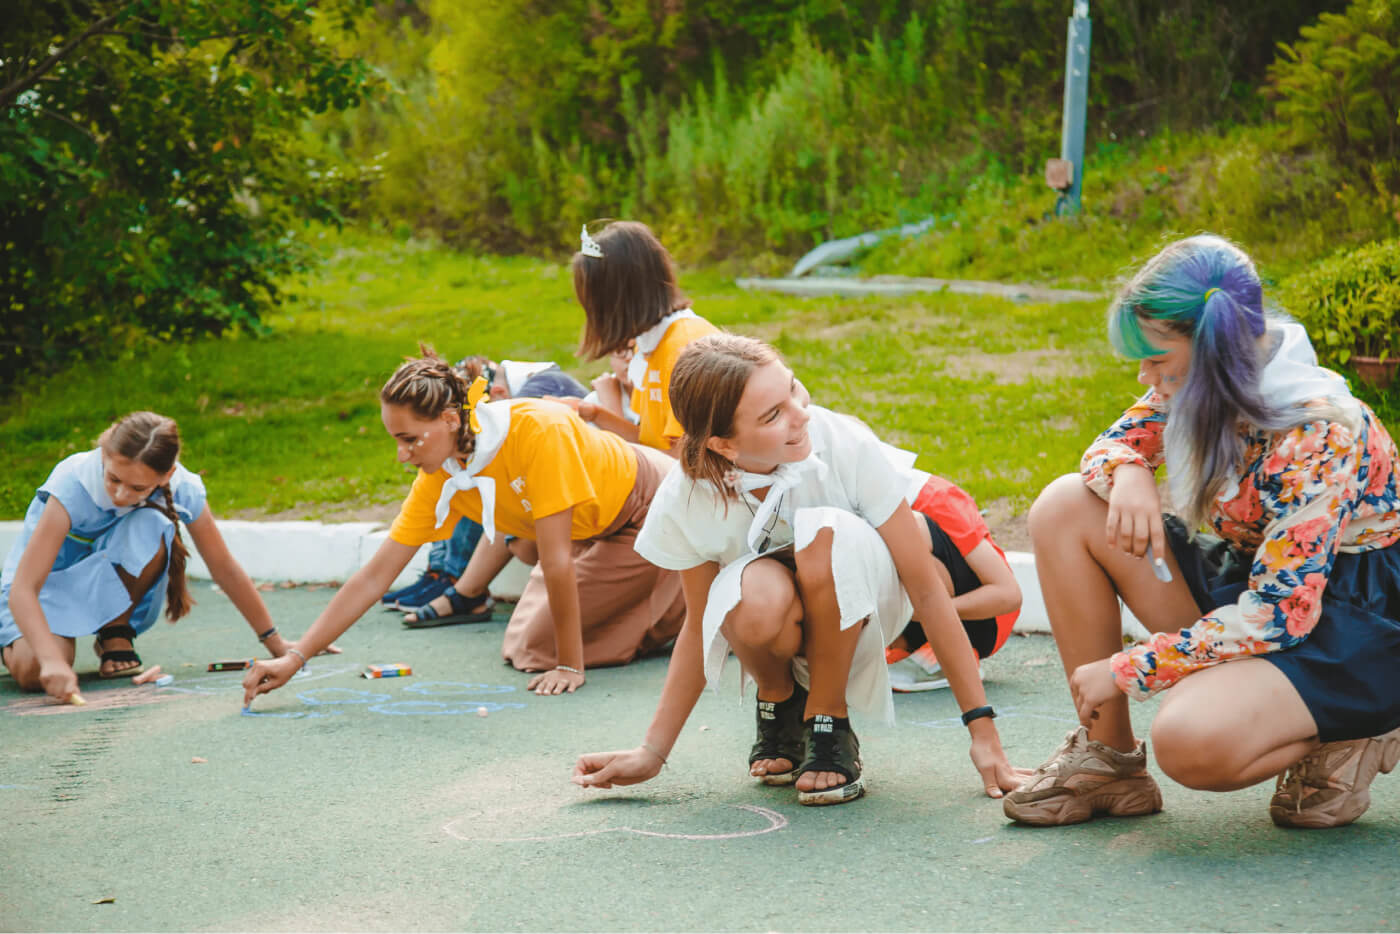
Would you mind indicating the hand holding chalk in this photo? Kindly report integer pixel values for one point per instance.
(268, 675)
(621, 767)
(1159, 567)
(58, 680)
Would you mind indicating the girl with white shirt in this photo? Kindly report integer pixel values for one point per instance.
(797, 550)
(100, 550)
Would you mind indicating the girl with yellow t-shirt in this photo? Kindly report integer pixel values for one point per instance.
(626, 282)
(532, 469)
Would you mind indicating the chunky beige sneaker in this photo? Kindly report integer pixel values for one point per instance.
(1331, 786)
(1083, 778)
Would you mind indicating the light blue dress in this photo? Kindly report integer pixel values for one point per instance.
(83, 592)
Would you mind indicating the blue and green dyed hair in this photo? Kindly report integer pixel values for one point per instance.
(1207, 289)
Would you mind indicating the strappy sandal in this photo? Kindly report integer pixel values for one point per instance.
(832, 746)
(122, 631)
(464, 610)
(780, 735)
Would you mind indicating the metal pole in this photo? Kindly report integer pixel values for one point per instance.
(1076, 105)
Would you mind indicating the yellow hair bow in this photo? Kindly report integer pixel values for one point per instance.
(479, 390)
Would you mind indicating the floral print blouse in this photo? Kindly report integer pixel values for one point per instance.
(1304, 494)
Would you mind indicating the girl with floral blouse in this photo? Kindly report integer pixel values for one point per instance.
(1278, 555)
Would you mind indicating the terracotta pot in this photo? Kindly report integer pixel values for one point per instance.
(1373, 371)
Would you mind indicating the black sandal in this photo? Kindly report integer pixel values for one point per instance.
(464, 610)
(120, 631)
(780, 735)
(832, 746)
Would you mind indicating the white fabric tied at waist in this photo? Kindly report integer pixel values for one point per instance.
(784, 478)
(647, 342)
(494, 418)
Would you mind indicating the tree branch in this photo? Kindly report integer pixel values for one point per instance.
(25, 82)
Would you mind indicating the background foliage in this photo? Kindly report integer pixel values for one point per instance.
(152, 167)
(737, 127)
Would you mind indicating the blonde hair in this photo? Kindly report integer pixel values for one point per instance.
(707, 383)
(427, 385)
(154, 441)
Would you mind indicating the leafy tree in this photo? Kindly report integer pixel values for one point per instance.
(151, 169)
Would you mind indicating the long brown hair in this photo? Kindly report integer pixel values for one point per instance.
(428, 386)
(628, 289)
(707, 383)
(154, 440)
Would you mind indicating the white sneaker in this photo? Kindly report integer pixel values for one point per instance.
(919, 672)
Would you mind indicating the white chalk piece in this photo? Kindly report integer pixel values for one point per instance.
(1159, 568)
(482, 711)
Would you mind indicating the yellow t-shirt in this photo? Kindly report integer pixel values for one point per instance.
(658, 427)
(550, 461)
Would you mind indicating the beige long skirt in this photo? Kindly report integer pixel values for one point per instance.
(629, 606)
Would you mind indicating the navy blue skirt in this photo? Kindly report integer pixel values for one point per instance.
(1348, 669)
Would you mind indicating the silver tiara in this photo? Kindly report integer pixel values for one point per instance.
(587, 245)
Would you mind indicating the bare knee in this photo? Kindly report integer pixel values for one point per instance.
(763, 619)
(1195, 748)
(524, 549)
(1059, 507)
(814, 562)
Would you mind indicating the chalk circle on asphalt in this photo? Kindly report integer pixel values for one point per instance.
(750, 820)
(454, 688)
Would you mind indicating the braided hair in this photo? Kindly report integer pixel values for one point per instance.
(427, 385)
(154, 441)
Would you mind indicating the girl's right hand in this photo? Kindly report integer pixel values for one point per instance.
(59, 679)
(620, 767)
(1135, 512)
(268, 675)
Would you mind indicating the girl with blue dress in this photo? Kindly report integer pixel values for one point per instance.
(100, 549)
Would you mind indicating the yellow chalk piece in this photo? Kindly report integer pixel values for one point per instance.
(77, 700)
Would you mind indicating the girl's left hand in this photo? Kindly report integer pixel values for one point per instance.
(998, 774)
(278, 646)
(1092, 686)
(555, 681)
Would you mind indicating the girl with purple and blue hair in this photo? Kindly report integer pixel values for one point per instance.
(1273, 547)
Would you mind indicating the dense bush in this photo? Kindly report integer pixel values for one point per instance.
(1340, 86)
(1351, 302)
(761, 127)
(152, 167)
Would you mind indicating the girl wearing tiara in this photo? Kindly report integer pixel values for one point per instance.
(798, 550)
(626, 282)
(101, 548)
(574, 497)
(1279, 559)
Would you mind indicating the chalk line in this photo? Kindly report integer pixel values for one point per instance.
(775, 821)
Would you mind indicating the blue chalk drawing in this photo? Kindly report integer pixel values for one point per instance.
(341, 696)
(436, 708)
(450, 688)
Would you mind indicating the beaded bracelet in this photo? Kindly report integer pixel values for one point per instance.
(567, 668)
(264, 636)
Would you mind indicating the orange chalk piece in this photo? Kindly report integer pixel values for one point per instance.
(397, 670)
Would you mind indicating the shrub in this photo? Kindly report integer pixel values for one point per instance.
(1350, 302)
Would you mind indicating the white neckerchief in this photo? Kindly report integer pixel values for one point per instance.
(784, 478)
(1290, 378)
(494, 418)
(89, 474)
(647, 342)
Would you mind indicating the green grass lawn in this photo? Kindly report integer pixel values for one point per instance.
(997, 396)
